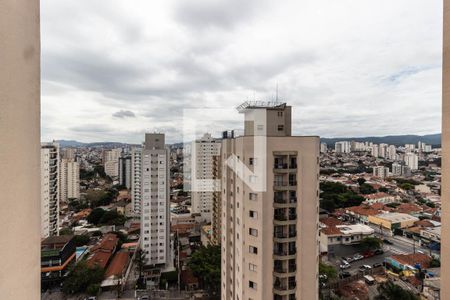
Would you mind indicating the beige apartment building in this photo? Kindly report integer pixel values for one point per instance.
(270, 235)
(69, 179)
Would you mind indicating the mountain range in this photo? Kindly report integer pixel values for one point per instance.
(431, 139)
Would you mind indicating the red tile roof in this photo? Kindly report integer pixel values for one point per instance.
(377, 196)
(363, 210)
(413, 259)
(118, 265)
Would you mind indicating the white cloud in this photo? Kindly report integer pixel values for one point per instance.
(348, 67)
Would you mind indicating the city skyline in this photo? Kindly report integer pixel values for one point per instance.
(128, 76)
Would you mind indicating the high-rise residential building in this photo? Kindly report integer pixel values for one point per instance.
(155, 200)
(68, 153)
(125, 170)
(269, 235)
(410, 147)
(396, 169)
(111, 161)
(412, 161)
(323, 147)
(391, 152)
(357, 146)
(374, 150)
(49, 189)
(406, 171)
(203, 182)
(383, 149)
(136, 170)
(69, 174)
(381, 172)
(216, 222)
(342, 147)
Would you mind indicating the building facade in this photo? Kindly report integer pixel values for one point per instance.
(49, 189)
(155, 222)
(125, 171)
(270, 246)
(203, 179)
(136, 169)
(412, 161)
(69, 179)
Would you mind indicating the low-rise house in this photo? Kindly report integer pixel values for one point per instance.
(361, 213)
(407, 262)
(57, 255)
(115, 273)
(102, 252)
(379, 198)
(392, 221)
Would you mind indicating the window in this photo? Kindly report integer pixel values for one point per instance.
(252, 267)
(252, 284)
(253, 232)
(280, 113)
(252, 250)
(280, 127)
(253, 214)
(252, 196)
(251, 161)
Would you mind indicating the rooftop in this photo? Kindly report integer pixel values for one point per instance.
(395, 217)
(260, 104)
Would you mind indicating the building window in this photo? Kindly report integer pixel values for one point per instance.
(252, 284)
(280, 127)
(252, 196)
(253, 250)
(252, 267)
(253, 232)
(251, 161)
(253, 214)
(280, 113)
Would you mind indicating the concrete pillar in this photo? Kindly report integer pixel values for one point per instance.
(19, 149)
(445, 188)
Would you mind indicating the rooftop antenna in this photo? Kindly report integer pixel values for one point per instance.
(276, 98)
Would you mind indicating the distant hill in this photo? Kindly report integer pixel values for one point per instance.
(72, 143)
(431, 139)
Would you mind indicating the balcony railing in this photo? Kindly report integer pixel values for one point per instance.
(280, 166)
(280, 217)
(292, 216)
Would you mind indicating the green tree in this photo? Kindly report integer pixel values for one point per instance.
(391, 291)
(112, 217)
(327, 270)
(370, 243)
(95, 215)
(205, 264)
(66, 231)
(366, 189)
(82, 279)
(81, 240)
(406, 186)
(435, 263)
(361, 181)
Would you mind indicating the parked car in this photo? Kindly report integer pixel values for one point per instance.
(378, 252)
(358, 257)
(343, 275)
(369, 279)
(349, 259)
(386, 241)
(377, 265)
(345, 266)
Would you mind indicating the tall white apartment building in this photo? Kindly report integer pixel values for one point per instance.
(374, 150)
(381, 172)
(323, 147)
(270, 235)
(69, 153)
(391, 152)
(155, 185)
(383, 150)
(136, 169)
(357, 146)
(69, 179)
(412, 161)
(396, 169)
(49, 189)
(202, 175)
(410, 147)
(342, 147)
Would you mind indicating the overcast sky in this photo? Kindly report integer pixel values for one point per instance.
(112, 70)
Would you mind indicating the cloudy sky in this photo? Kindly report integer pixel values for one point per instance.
(114, 69)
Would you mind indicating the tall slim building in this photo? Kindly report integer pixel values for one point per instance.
(392, 152)
(155, 185)
(445, 244)
(270, 235)
(69, 174)
(342, 147)
(412, 161)
(396, 169)
(111, 162)
(68, 153)
(136, 169)
(380, 171)
(323, 147)
(216, 222)
(49, 189)
(125, 171)
(375, 150)
(202, 175)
